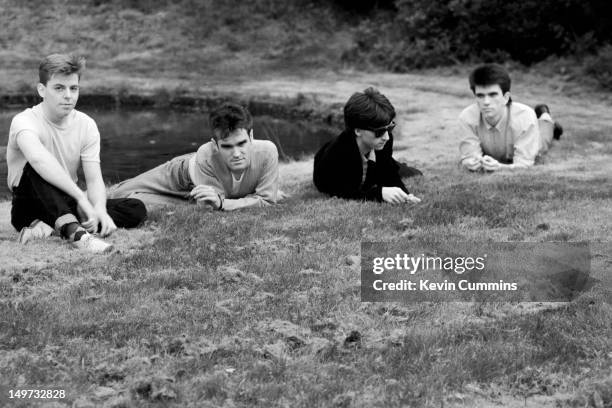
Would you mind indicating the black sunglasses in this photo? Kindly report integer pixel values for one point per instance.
(380, 131)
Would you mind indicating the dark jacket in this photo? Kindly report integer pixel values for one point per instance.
(338, 170)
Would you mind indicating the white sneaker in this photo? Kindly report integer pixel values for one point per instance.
(92, 244)
(36, 230)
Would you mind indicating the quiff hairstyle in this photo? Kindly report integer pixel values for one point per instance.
(227, 118)
(490, 74)
(368, 110)
(64, 64)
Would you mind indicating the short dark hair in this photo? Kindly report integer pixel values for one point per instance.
(367, 110)
(227, 118)
(65, 64)
(490, 74)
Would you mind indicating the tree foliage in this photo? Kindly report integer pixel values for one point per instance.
(424, 33)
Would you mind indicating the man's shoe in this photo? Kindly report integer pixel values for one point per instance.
(558, 129)
(406, 171)
(36, 230)
(92, 244)
(540, 109)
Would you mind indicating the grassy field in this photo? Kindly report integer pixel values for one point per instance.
(262, 307)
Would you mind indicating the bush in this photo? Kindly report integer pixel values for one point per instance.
(600, 66)
(427, 33)
(364, 6)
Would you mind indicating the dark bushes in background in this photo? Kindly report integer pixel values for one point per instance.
(426, 33)
(236, 37)
(362, 7)
(600, 67)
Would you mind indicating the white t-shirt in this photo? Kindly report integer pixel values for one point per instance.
(78, 140)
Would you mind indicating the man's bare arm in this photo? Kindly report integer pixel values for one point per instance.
(46, 165)
(96, 191)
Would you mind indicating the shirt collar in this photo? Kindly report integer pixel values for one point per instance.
(371, 156)
(502, 122)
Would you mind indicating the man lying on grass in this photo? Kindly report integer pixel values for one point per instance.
(46, 146)
(358, 164)
(231, 171)
(497, 133)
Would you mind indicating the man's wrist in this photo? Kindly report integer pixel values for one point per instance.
(100, 210)
(80, 196)
(220, 208)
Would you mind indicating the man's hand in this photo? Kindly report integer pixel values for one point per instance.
(472, 163)
(207, 195)
(107, 225)
(87, 214)
(413, 199)
(396, 195)
(490, 164)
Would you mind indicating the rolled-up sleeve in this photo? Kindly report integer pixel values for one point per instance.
(527, 143)
(204, 173)
(90, 151)
(469, 146)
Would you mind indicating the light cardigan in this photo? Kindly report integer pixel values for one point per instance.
(258, 186)
(519, 144)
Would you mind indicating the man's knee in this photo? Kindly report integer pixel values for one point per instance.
(127, 212)
(137, 210)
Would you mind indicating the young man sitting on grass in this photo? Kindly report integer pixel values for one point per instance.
(358, 164)
(231, 171)
(497, 133)
(46, 146)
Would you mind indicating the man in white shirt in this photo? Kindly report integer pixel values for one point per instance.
(47, 144)
(497, 133)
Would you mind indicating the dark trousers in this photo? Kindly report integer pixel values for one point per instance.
(35, 198)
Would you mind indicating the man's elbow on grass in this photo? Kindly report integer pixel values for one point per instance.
(328, 182)
(324, 183)
(521, 164)
(249, 201)
(321, 175)
(266, 200)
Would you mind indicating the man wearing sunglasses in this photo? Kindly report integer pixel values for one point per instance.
(358, 164)
(229, 172)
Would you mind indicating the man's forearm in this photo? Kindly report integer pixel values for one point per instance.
(230, 204)
(96, 192)
(515, 166)
(373, 193)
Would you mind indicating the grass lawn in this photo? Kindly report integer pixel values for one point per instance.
(262, 307)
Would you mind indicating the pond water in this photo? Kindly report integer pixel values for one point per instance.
(133, 141)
